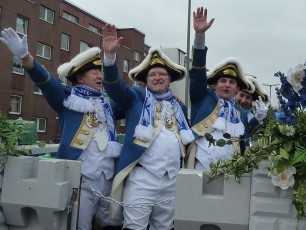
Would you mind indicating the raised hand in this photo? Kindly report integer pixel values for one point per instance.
(262, 109)
(200, 23)
(111, 42)
(18, 46)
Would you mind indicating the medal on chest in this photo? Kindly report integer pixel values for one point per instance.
(169, 122)
(92, 120)
(167, 114)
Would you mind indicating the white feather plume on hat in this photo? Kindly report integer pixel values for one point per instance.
(258, 89)
(157, 58)
(85, 60)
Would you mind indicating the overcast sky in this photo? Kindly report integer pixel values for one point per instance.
(266, 36)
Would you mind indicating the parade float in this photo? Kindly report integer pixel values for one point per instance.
(37, 192)
(264, 189)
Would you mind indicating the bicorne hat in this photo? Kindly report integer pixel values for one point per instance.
(258, 89)
(230, 68)
(157, 58)
(84, 61)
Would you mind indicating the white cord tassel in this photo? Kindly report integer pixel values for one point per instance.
(78, 104)
(186, 136)
(144, 133)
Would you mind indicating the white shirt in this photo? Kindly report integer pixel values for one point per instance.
(96, 161)
(211, 154)
(163, 155)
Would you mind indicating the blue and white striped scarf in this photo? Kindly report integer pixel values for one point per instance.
(80, 101)
(144, 129)
(229, 120)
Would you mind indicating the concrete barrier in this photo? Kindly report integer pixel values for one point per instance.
(270, 206)
(223, 204)
(36, 192)
(3, 225)
(220, 204)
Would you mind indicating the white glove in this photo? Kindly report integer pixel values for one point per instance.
(262, 110)
(18, 46)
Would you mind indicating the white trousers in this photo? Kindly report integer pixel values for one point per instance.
(142, 186)
(94, 206)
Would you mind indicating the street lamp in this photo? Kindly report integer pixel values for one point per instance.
(270, 85)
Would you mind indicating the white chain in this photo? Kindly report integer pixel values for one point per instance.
(130, 205)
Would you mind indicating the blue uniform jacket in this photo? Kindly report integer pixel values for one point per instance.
(55, 93)
(204, 99)
(130, 100)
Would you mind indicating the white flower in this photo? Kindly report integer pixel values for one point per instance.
(286, 130)
(285, 179)
(295, 77)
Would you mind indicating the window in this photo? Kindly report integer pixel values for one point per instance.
(43, 50)
(65, 42)
(41, 124)
(17, 66)
(71, 17)
(22, 25)
(135, 83)
(84, 46)
(15, 104)
(182, 59)
(46, 14)
(37, 90)
(125, 66)
(145, 54)
(94, 29)
(137, 56)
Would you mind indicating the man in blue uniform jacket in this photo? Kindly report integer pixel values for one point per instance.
(246, 99)
(213, 108)
(156, 133)
(86, 119)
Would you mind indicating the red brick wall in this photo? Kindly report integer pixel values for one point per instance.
(50, 34)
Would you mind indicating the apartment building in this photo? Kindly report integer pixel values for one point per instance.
(57, 30)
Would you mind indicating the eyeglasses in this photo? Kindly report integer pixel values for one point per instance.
(154, 74)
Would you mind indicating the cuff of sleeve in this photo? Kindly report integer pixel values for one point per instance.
(260, 121)
(108, 62)
(199, 41)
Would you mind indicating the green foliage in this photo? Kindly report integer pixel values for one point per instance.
(10, 134)
(282, 144)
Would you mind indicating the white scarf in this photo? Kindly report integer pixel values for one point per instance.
(144, 129)
(84, 99)
(229, 120)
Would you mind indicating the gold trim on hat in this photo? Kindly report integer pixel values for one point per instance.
(230, 72)
(156, 60)
(76, 68)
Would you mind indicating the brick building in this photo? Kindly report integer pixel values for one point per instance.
(57, 31)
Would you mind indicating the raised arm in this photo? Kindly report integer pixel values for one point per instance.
(198, 79)
(49, 85)
(113, 84)
(200, 23)
(111, 42)
(18, 46)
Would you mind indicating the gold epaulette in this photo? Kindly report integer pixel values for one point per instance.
(205, 126)
(84, 134)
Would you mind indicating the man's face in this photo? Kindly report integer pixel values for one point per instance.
(158, 80)
(244, 100)
(227, 88)
(91, 78)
